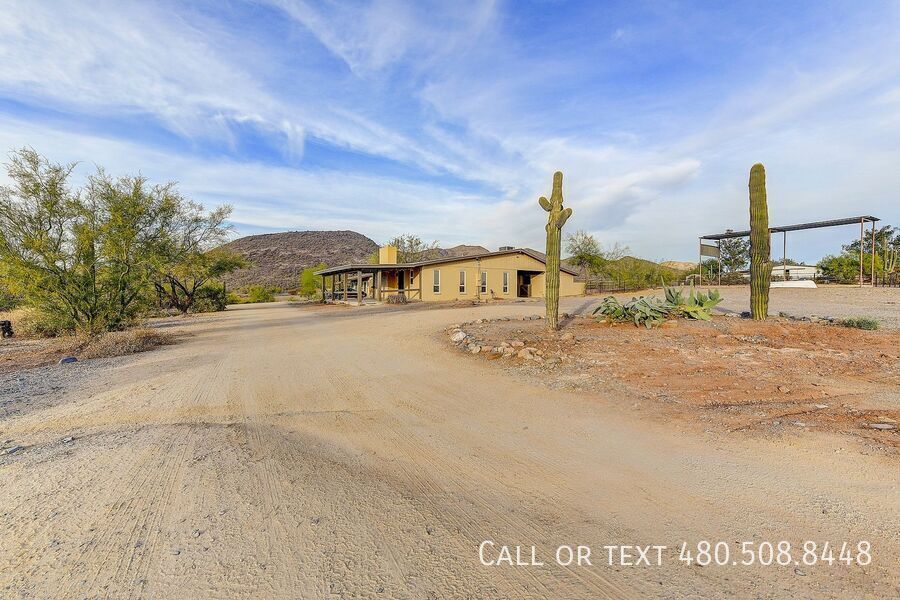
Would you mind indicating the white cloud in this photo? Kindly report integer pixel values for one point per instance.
(461, 101)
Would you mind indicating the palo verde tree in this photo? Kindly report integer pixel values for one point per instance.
(760, 259)
(191, 257)
(411, 248)
(556, 218)
(584, 251)
(81, 258)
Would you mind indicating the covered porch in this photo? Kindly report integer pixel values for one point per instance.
(358, 284)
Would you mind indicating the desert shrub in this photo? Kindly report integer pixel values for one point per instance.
(397, 299)
(209, 298)
(260, 293)
(233, 298)
(8, 300)
(120, 343)
(867, 323)
(33, 322)
(310, 283)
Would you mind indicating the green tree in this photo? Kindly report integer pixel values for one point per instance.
(843, 268)
(260, 293)
(584, 251)
(411, 248)
(89, 258)
(310, 283)
(82, 257)
(188, 259)
(735, 254)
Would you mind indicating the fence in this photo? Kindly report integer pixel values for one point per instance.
(887, 280)
(604, 285)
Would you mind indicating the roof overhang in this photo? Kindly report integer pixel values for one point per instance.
(814, 225)
(371, 268)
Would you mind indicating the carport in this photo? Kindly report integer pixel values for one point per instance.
(716, 251)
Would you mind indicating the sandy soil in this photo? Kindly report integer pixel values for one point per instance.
(285, 451)
(837, 301)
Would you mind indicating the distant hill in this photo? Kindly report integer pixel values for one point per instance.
(277, 259)
(461, 250)
(678, 265)
(633, 268)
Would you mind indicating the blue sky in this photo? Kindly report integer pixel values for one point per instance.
(447, 119)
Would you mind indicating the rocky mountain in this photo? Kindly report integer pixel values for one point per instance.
(277, 259)
(461, 250)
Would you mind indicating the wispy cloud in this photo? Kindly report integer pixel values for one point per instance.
(447, 119)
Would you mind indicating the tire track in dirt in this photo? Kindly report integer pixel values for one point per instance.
(130, 529)
(454, 482)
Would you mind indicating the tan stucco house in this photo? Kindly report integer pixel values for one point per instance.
(507, 273)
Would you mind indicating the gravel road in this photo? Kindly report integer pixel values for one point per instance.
(286, 451)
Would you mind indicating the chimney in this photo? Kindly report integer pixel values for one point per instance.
(387, 255)
(502, 248)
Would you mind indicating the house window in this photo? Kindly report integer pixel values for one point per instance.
(462, 282)
(484, 282)
(436, 284)
(412, 278)
(506, 282)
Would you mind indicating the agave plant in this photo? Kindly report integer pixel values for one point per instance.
(697, 305)
(647, 311)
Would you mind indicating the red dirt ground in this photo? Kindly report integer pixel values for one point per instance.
(775, 377)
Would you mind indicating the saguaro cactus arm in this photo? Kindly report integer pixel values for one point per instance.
(760, 261)
(556, 218)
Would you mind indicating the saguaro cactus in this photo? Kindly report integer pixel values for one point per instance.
(760, 263)
(555, 221)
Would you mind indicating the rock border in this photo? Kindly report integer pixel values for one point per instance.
(467, 342)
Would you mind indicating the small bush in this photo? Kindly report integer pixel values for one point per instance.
(209, 298)
(120, 343)
(867, 323)
(260, 293)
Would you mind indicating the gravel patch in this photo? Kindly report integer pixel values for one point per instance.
(29, 390)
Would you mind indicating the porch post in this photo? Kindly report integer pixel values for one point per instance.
(873, 253)
(784, 256)
(323, 289)
(720, 262)
(861, 236)
(359, 289)
(701, 262)
(378, 285)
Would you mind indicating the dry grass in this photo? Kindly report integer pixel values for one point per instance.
(120, 343)
(22, 352)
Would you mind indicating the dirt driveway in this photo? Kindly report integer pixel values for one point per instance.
(283, 451)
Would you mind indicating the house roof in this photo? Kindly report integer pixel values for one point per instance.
(539, 256)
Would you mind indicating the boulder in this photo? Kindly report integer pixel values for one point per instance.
(458, 337)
